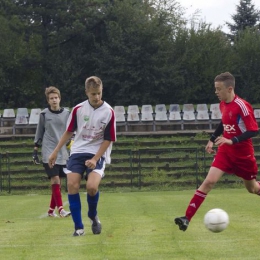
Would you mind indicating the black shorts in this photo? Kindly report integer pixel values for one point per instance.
(57, 170)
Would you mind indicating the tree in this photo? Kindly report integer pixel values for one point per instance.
(199, 55)
(133, 56)
(246, 56)
(246, 17)
(63, 33)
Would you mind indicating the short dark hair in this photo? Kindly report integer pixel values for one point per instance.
(227, 78)
(94, 82)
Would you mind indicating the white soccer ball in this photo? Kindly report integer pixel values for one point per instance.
(216, 220)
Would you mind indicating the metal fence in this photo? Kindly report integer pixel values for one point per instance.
(130, 169)
(5, 178)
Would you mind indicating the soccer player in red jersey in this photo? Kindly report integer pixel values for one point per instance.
(233, 137)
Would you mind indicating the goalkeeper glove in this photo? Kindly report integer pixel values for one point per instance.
(35, 157)
(69, 144)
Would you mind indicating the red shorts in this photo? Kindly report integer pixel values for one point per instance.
(244, 166)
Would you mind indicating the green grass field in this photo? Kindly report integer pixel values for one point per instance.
(137, 225)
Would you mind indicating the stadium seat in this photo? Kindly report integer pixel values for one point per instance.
(202, 115)
(215, 112)
(175, 116)
(188, 107)
(160, 108)
(202, 107)
(120, 114)
(9, 113)
(188, 112)
(119, 109)
(161, 116)
(120, 118)
(257, 114)
(174, 108)
(133, 108)
(8, 116)
(22, 116)
(146, 117)
(188, 116)
(21, 120)
(34, 116)
(203, 119)
(133, 113)
(147, 113)
(202, 112)
(161, 121)
(147, 109)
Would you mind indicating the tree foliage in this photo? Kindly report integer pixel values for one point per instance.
(246, 56)
(144, 51)
(246, 16)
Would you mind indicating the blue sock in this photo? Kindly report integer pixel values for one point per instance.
(75, 208)
(92, 205)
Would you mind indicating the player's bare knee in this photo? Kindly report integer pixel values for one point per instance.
(92, 190)
(208, 185)
(72, 186)
(252, 190)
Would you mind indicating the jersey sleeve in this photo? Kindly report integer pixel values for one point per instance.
(40, 130)
(72, 120)
(247, 114)
(110, 131)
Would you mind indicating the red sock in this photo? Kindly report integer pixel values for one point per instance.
(195, 203)
(57, 195)
(52, 204)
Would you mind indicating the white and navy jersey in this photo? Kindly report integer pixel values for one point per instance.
(51, 126)
(92, 126)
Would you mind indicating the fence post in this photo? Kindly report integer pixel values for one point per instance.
(139, 169)
(5, 179)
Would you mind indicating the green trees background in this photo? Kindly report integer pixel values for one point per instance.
(144, 51)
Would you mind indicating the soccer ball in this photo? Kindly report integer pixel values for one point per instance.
(216, 220)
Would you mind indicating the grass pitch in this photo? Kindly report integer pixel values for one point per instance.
(136, 225)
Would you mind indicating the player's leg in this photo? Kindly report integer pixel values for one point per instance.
(52, 174)
(252, 186)
(51, 211)
(58, 196)
(76, 168)
(211, 179)
(73, 183)
(92, 185)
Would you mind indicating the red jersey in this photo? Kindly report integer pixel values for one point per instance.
(237, 118)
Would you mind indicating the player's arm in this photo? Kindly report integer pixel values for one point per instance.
(218, 132)
(246, 135)
(102, 149)
(38, 138)
(35, 156)
(64, 139)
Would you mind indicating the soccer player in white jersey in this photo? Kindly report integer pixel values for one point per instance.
(93, 122)
(235, 153)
